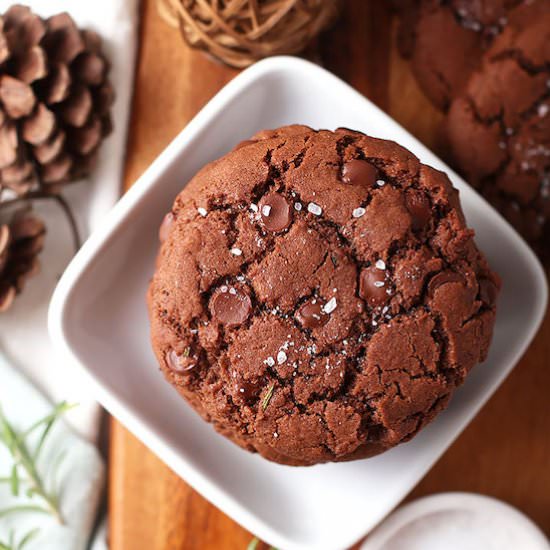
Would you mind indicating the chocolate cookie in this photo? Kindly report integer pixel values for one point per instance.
(445, 39)
(318, 296)
(499, 128)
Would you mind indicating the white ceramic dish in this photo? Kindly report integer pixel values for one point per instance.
(456, 520)
(98, 320)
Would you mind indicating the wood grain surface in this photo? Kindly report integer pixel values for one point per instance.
(505, 452)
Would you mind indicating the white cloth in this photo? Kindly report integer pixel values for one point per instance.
(23, 330)
(24, 341)
(78, 480)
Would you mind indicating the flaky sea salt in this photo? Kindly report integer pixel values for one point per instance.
(358, 212)
(543, 110)
(270, 362)
(378, 284)
(202, 211)
(380, 264)
(236, 251)
(253, 207)
(297, 206)
(281, 357)
(380, 183)
(330, 306)
(266, 210)
(315, 209)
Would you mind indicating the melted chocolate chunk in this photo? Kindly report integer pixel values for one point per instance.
(180, 364)
(442, 278)
(359, 172)
(247, 392)
(276, 212)
(230, 306)
(311, 314)
(373, 286)
(419, 208)
(165, 226)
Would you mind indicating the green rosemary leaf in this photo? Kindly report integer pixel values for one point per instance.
(27, 538)
(7, 433)
(47, 422)
(14, 481)
(268, 396)
(12, 545)
(25, 461)
(47, 427)
(23, 508)
(253, 545)
(58, 410)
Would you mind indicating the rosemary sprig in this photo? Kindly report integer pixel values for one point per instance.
(12, 545)
(254, 545)
(23, 508)
(268, 396)
(26, 460)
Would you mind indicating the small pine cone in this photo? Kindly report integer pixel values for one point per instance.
(55, 100)
(21, 240)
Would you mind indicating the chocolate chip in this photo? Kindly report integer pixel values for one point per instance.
(247, 391)
(276, 212)
(359, 172)
(488, 292)
(230, 306)
(442, 278)
(180, 364)
(418, 205)
(311, 314)
(165, 226)
(373, 286)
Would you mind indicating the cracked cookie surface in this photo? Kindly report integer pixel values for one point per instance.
(445, 40)
(499, 128)
(318, 296)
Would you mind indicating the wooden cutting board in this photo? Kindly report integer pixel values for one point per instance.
(505, 452)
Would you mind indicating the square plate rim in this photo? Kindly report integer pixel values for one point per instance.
(135, 420)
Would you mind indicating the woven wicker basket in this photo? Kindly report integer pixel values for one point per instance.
(239, 32)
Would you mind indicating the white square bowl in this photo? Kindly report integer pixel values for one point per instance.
(98, 320)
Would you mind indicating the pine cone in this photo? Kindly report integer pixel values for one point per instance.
(55, 100)
(21, 241)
